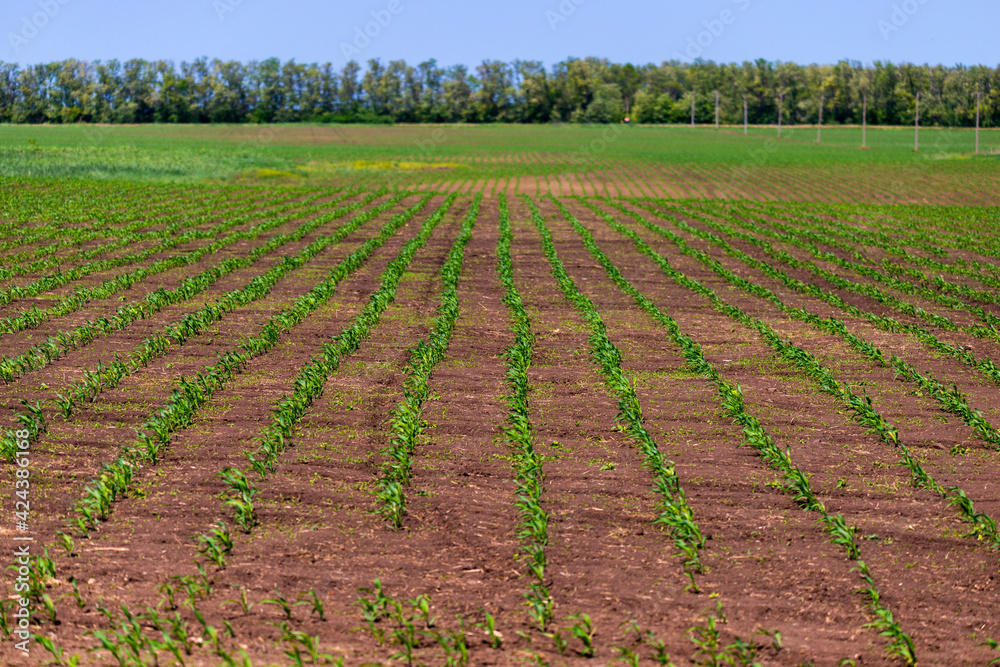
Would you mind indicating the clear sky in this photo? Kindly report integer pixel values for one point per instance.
(453, 31)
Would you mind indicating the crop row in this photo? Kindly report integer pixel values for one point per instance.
(731, 397)
(860, 237)
(894, 245)
(872, 291)
(95, 381)
(529, 474)
(174, 334)
(64, 210)
(950, 400)
(47, 257)
(311, 379)
(150, 216)
(890, 238)
(217, 543)
(168, 238)
(841, 224)
(93, 206)
(932, 229)
(73, 301)
(986, 365)
(860, 408)
(825, 231)
(62, 342)
(184, 402)
(673, 511)
(75, 202)
(406, 417)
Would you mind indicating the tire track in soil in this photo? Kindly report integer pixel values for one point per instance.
(180, 500)
(766, 559)
(913, 528)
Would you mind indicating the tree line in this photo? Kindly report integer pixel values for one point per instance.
(588, 90)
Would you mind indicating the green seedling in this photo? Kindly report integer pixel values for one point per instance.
(279, 601)
(583, 630)
(242, 602)
(494, 638)
(312, 600)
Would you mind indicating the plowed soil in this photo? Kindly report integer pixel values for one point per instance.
(770, 568)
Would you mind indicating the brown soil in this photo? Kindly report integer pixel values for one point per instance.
(769, 565)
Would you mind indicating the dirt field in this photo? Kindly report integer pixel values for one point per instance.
(290, 363)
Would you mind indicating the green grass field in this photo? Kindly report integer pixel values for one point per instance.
(518, 158)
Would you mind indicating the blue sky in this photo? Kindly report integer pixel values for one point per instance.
(453, 31)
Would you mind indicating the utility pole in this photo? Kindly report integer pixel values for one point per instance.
(864, 122)
(819, 123)
(692, 108)
(745, 130)
(978, 96)
(916, 127)
(717, 110)
(781, 104)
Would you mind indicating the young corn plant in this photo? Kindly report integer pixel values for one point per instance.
(583, 630)
(242, 492)
(282, 603)
(951, 401)
(731, 397)
(216, 545)
(674, 512)
(527, 464)
(192, 395)
(860, 407)
(406, 420)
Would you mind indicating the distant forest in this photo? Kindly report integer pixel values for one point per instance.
(589, 90)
